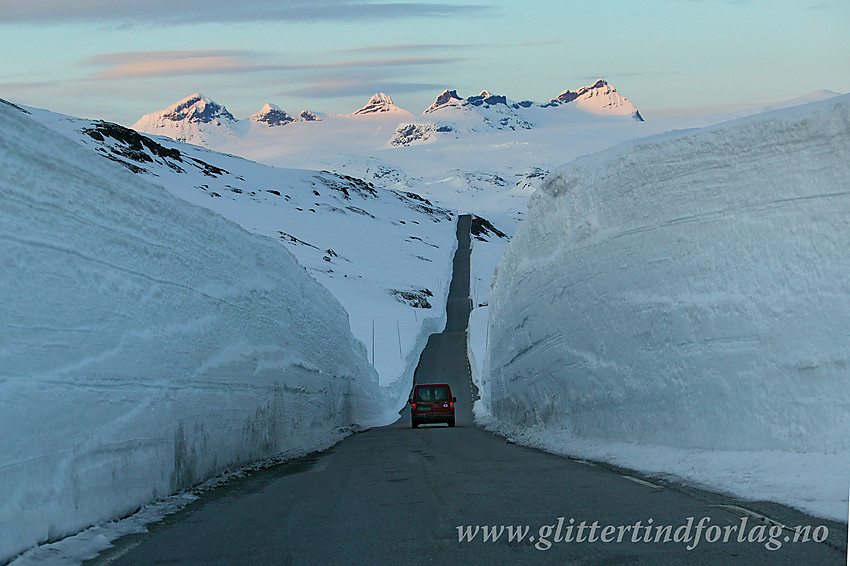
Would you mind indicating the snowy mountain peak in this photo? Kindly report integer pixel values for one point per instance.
(195, 119)
(379, 102)
(272, 115)
(308, 116)
(446, 98)
(600, 86)
(196, 108)
(599, 98)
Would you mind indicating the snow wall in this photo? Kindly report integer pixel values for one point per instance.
(689, 290)
(147, 344)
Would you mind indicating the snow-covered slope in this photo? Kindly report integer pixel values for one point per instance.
(345, 231)
(147, 344)
(691, 292)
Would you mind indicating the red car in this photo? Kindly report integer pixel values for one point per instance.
(432, 403)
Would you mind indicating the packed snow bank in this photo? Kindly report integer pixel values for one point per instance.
(147, 344)
(689, 291)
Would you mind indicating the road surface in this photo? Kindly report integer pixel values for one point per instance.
(395, 495)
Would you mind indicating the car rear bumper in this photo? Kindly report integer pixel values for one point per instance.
(432, 417)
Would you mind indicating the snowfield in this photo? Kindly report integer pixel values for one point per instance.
(681, 305)
(147, 344)
(343, 230)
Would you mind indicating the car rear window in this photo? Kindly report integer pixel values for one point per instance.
(432, 393)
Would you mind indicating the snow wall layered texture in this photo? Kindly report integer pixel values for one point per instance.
(147, 344)
(688, 290)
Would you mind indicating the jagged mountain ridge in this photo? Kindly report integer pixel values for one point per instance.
(200, 120)
(598, 98)
(453, 115)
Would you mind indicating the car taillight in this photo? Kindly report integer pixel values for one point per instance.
(452, 403)
(414, 405)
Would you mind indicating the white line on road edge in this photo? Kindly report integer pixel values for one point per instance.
(643, 482)
(119, 554)
(757, 516)
(586, 463)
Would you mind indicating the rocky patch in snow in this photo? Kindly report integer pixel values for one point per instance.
(481, 229)
(417, 298)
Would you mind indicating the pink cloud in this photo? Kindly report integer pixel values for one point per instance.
(176, 63)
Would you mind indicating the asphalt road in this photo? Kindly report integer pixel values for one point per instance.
(395, 495)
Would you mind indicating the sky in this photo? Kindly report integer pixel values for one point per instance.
(117, 60)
